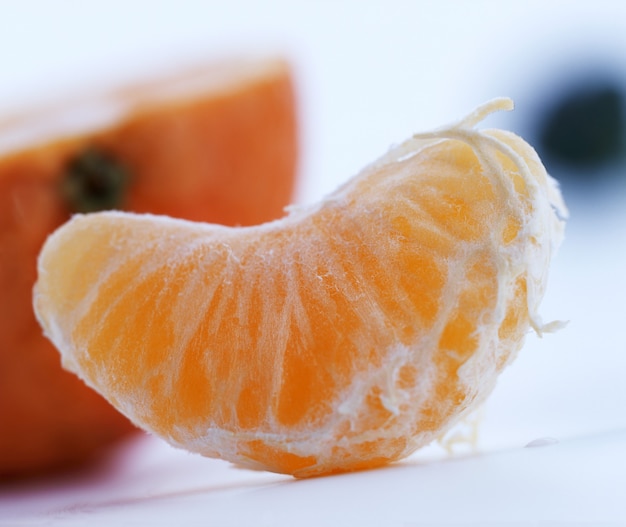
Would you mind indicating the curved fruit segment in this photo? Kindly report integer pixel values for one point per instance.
(341, 337)
(214, 143)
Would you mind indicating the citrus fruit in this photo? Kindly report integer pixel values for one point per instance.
(216, 142)
(340, 337)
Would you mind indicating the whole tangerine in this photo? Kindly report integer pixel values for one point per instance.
(216, 142)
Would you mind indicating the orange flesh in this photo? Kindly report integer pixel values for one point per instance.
(340, 338)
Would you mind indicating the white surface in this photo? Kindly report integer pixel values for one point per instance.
(370, 74)
(579, 480)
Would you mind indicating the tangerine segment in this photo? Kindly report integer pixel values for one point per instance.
(341, 337)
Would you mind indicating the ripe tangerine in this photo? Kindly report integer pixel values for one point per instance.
(216, 142)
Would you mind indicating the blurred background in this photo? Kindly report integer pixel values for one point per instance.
(372, 72)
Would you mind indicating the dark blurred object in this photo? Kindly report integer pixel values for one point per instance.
(583, 130)
(586, 127)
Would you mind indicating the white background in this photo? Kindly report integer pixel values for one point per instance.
(369, 74)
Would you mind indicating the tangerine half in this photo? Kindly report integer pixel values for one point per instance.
(341, 337)
(216, 142)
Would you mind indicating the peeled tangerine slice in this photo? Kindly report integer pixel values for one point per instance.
(343, 336)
